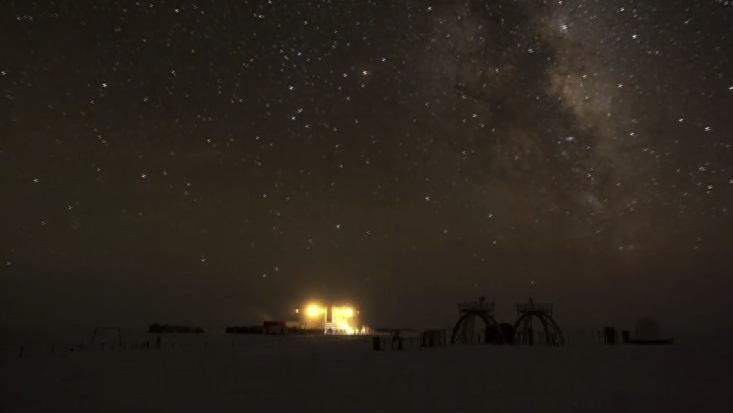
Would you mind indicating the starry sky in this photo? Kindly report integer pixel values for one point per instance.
(220, 162)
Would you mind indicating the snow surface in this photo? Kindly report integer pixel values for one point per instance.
(342, 374)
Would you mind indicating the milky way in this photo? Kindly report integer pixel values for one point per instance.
(221, 162)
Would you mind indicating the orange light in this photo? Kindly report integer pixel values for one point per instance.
(343, 318)
(314, 310)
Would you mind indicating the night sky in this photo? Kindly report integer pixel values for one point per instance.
(220, 162)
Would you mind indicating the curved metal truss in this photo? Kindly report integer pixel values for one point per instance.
(469, 313)
(524, 331)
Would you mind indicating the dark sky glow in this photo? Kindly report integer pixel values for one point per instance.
(219, 162)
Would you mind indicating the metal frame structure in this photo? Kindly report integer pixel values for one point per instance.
(524, 332)
(469, 311)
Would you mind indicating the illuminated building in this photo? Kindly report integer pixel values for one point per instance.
(332, 319)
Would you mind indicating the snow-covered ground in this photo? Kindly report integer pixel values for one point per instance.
(342, 374)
